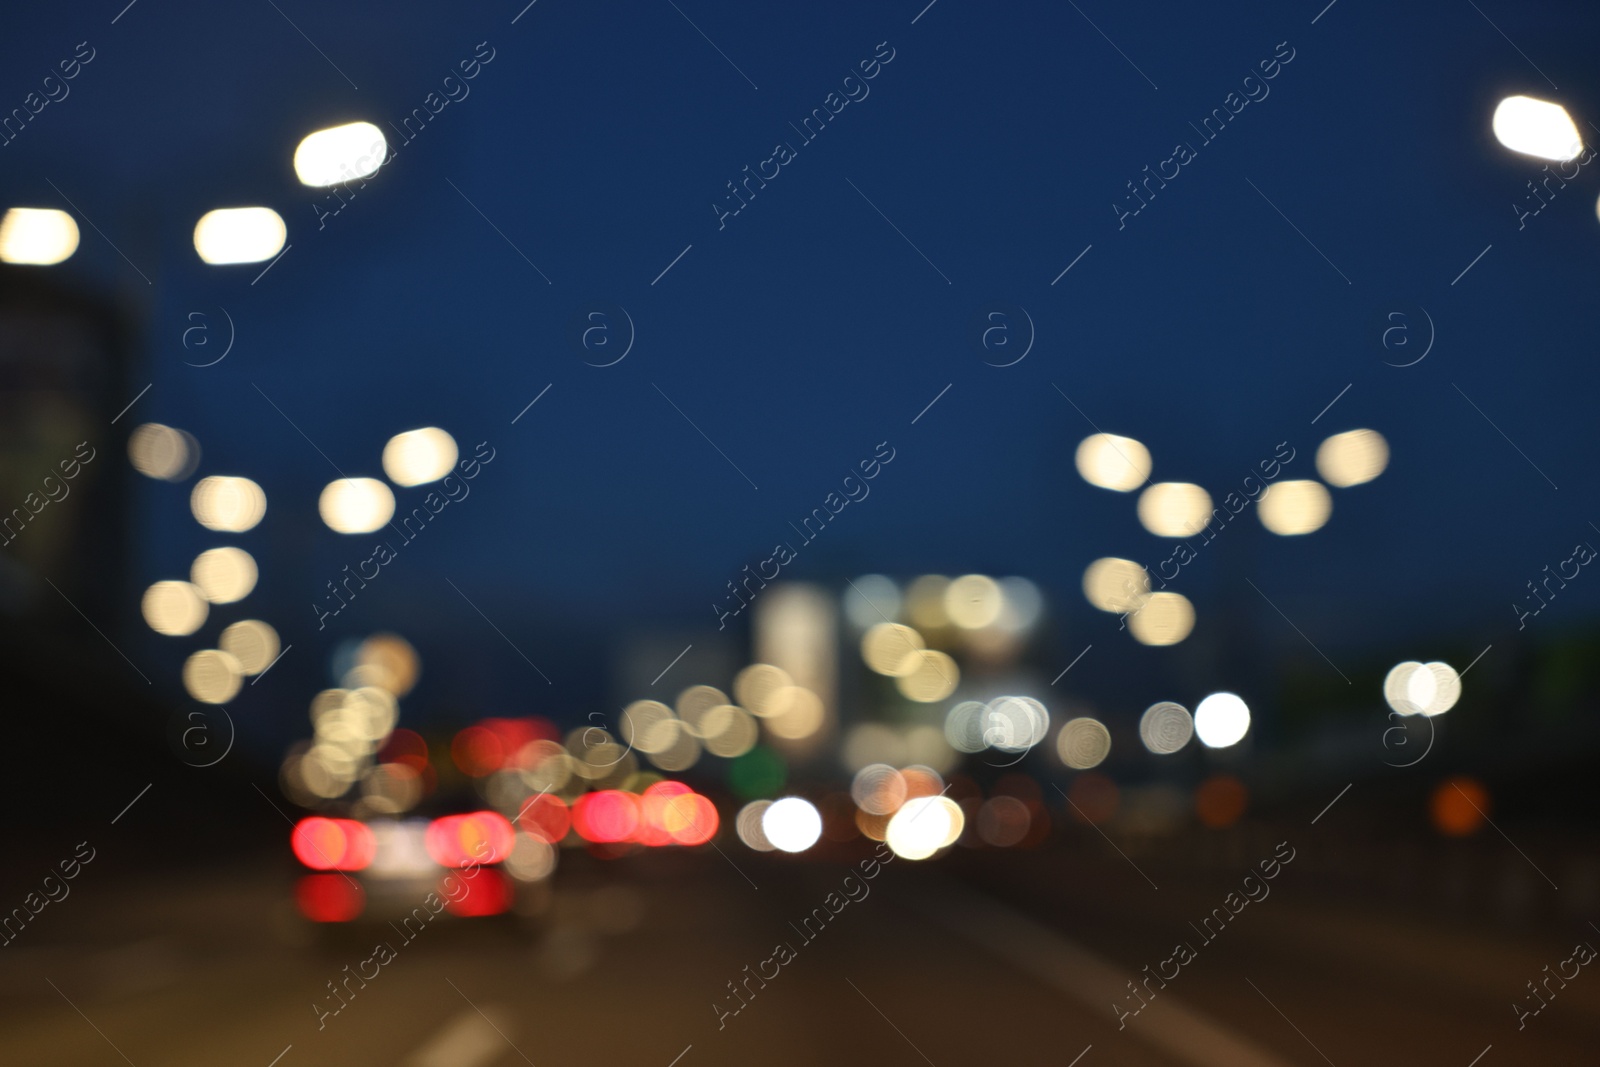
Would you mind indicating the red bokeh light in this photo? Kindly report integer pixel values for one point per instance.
(478, 837)
(670, 813)
(488, 892)
(333, 844)
(606, 816)
(513, 734)
(666, 788)
(652, 829)
(691, 819)
(478, 752)
(546, 818)
(652, 808)
(494, 743)
(407, 747)
(329, 898)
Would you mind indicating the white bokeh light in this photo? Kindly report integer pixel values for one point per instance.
(1536, 128)
(1014, 723)
(748, 825)
(1446, 688)
(239, 235)
(340, 154)
(224, 575)
(1165, 727)
(417, 457)
(227, 504)
(1221, 720)
(1413, 688)
(1108, 461)
(1174, 509)
(1352, 458)
(1294, 507)
(923, 826)
(792, 824)
(176, 609)
(1083, 743)
(37, 236)
(356, 505)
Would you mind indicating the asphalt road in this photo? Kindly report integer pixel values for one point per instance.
(984, 957)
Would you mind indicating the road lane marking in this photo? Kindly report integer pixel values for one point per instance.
(1178, 1030)
(470, 1039)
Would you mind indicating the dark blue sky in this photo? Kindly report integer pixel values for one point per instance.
(808, 329)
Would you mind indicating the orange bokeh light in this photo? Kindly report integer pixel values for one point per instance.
(690, 819)
(921, 782)
(1459, 806)
(1221, 801)
(874, 827)
(669, 813)
(652, 829)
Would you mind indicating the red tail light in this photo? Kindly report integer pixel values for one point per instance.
(333, 844)
(329, 898)
(691, 819)
(546, 818)
(487, 892)
(671, 814)
(607, 816)
(460, 840)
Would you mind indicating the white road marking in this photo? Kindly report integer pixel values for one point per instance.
(1175, 1028)
(468, 1040)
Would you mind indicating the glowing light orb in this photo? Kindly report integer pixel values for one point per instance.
(792, 824)
(1221, 720)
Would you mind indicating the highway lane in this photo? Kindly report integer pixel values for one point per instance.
(627, 959)
(207, 976)
(1326, 969)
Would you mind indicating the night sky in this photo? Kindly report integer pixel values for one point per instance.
(992, 149)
